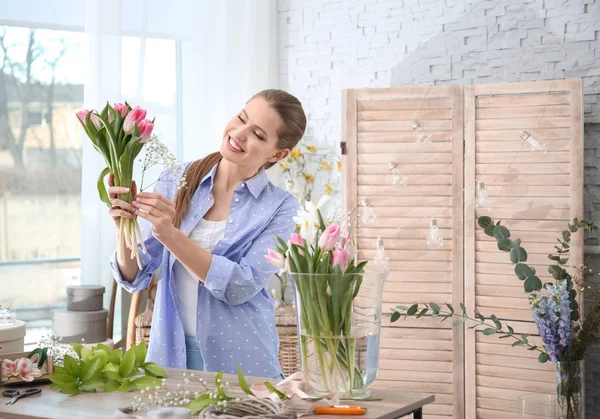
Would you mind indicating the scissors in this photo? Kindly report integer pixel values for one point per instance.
(16, 395)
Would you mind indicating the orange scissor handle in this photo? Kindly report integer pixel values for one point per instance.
(340, 410)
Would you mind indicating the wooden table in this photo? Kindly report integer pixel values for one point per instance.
(52, 404)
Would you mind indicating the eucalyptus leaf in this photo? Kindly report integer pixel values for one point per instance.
(489, 331)
(532, 283)
(501, 233)
(484, 221)
(395, 316)
(412, 310)
(543, 357)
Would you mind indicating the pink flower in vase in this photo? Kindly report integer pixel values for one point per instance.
(329, 237)
(27, 369)
(9, 368)
(340, 257)
(297, 240)
(275, 259)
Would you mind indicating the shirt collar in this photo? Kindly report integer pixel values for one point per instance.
(255, 184)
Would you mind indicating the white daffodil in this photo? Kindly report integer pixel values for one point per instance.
(308, 218)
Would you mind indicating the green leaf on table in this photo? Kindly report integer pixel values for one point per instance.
(272, 389)
(88, 368)
(518, 343)
(553, 257)
(489, 331)
(71, 388)
(115, 356)
(111, 367)
(141, 383)
(77, 347)
(154, 370)
(524, 337)
(450, 308)
(412, 310)
(395, 316)
(127, 363)
(86, 353)
(543, 357)
(200, 403)
(71, 366)
(62, 379)
(479, 316)
(435, 308)
(126, 386)
(563, 261)
(140, 353)
(463, 308)
(94, 382)
(510, 329)
(112, 385)
(111, 375)
(243, 383)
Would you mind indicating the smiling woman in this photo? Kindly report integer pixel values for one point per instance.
(210, 240)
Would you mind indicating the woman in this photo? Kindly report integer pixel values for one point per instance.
(209, 240)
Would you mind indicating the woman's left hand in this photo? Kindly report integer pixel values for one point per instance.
(159, 211)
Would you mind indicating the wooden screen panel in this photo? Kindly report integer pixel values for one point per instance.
(421, 355)
(535, 195)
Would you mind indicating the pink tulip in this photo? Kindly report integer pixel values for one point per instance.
(146, 127)
(137, 114)
(329, 237)
(82, 114)
(275, 259)
(120, 107)
(340, 258)
(297, 239)
(27, 369)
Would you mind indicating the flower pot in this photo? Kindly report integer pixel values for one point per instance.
(339, 322)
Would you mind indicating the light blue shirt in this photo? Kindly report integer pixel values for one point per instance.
(236, 322)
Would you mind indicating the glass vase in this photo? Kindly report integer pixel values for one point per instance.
(339, 322)
(537, 406)
(570, 389)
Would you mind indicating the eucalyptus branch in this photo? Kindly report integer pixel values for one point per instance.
(490, 328)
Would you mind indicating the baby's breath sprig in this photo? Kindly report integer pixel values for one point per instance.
(57, 349)
(182, 395)
(156, 152)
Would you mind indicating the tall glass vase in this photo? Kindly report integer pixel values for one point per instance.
(570, 389)
(339, 321)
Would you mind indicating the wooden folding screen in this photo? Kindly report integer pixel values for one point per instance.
(533, 192)
(421, 355)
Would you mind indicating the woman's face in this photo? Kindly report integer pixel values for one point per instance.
(250, 138)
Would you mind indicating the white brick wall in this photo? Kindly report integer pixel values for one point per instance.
(326, 46)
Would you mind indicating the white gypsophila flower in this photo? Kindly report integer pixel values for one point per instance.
(57, 349)
(158, 153)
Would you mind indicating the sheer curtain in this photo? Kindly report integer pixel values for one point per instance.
(192, 64)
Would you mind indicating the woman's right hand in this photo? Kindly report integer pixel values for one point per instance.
(120, 208)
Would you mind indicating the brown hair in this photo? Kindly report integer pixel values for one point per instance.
(289, 109)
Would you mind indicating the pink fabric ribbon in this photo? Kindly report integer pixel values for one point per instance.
(295, 388)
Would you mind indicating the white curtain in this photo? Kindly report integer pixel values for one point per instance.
(192, 64)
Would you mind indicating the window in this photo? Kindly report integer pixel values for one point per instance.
(41, 87)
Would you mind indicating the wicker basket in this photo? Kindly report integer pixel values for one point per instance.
(285, 321)
(142, 329)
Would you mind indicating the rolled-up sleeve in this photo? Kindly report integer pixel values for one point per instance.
(150, 263)
(236, 283)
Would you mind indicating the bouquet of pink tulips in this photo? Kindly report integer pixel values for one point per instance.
(320, 261)
(119, 133)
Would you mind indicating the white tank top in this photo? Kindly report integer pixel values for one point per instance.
(206, 234)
